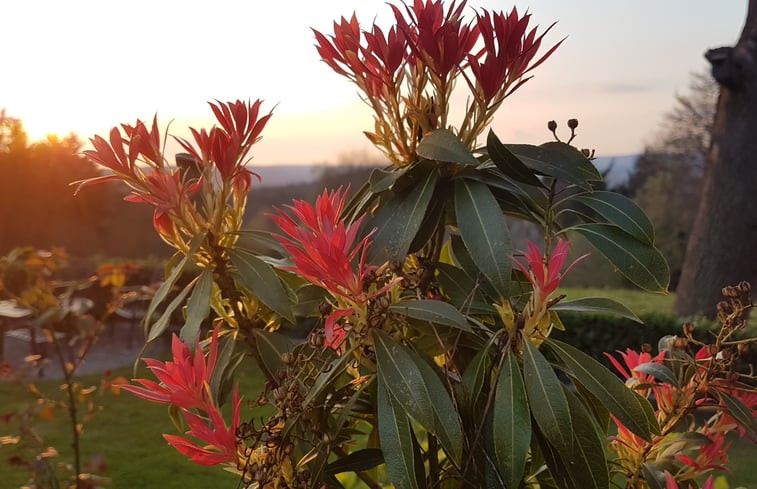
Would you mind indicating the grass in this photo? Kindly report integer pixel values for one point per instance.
(128, 430)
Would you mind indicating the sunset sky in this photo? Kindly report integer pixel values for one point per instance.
(85, 66)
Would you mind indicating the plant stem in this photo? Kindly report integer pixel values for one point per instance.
(68, 375)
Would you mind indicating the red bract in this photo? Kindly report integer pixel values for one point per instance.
(227, 147)
(546, 278)
(184, 382)
(373, 66)
(712, 455)
(633, 359)
(221, 445)
(323, 246)
(166, 192)
(508, 50)
(441, 40)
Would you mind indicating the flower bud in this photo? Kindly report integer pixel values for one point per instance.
(324, 308)
(552, 126)
(572, 123)
(688, 329)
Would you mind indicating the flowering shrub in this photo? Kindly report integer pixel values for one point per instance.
(432, 363)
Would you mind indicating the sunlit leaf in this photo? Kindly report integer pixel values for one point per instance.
(261, 279)
(198, 307)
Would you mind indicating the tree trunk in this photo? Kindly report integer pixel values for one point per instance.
(722, 249)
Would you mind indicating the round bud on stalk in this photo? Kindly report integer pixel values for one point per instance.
(552, 126)
(572, 123)
(688, 329)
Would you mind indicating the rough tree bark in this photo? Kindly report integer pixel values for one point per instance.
(722, 249)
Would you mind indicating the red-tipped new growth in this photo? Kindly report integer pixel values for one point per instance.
(185, 384)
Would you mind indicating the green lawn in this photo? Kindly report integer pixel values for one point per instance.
(127, 432)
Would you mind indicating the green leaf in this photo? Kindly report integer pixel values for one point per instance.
(381, 180)
(399, 219)
(198, 307)
(641, 263)
(512, 422)
(631, 409)
(396, 440)
(261, 279)
(434, 311)
(654, 476)
(271, 347)
(327, 376)
(399, 372)
(546, 398)
(168, 283)
(475, 376)
(659, 372)
(587, 463)
(225, 352)
(443, 145)
(164, 321)
(357, 461)
(508, 163)
(620, 211)
(741, 413)
(558, 160)
(260, 242)
(597, 304)
(446, 422)
(462, 291)
(556, 463)
(484, 232)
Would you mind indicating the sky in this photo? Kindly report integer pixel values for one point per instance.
(85, 66)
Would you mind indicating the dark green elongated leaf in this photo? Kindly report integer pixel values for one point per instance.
(357, 461)
(396, 440)
(659, 372)
(225, 352)
(742, 414)
(168, 283)
(271, 347)
(631, 409)
(512, 422)
(484, 232)
(261, 279)
(260, 242)
(640, 263)
(198, 307)
(443, 145)
(381, 180)
(462, 291)
(446, 422)
(434, 311)
(508, 163)
(558, 160)
(620, 211)
(587, 462)
(546, 398)
(164, 321)
(399, 372)
(654, 476)
(597, 304)
(335, 368)
(475, 376)
(399, 218)
(595, 407)
(555, 462)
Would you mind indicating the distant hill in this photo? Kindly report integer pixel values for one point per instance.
(620, 168)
